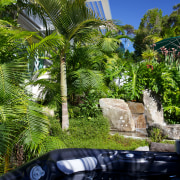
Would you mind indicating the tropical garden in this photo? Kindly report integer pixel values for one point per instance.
(85, 61)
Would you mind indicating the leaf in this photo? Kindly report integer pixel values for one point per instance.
(52, 143)
(37, 126)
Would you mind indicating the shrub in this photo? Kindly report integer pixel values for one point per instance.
(156, 134)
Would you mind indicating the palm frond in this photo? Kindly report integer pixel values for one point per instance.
(11, 76)
(37, 126)
(53, 42)
(52, 143)
(109, 44)
(69, 16)
(8, 137)
(86, 79)
(85, 27)
(4, 23)
(7, 90)
(6, 113)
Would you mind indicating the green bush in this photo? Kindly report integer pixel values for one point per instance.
(156, 135)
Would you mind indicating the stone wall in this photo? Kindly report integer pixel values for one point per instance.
(118, 113)
(153, 108)
(137, 111)
(130, 116)
(172, 131)
(168, 131)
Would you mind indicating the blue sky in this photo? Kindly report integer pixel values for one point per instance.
(131, 11)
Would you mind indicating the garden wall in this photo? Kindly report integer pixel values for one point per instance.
(130, 116)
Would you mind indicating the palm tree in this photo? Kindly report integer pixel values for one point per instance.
(72, 21)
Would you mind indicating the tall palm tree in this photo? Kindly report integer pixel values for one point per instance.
(72, 21)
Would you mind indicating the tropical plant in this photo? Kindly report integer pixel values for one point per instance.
(149, 54)
(21, 120)
(72, 21)
(156, 135)
(131, 88)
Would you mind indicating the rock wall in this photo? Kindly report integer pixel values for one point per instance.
(137, 111)
(118, 113)
(172, 131)
(168, 131)
(130, 116)
(153, 109)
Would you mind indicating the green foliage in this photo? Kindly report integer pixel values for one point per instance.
(51, 143)
(156, 135)
(132, 87)
(154, 27)
(152, 21)
(11, 9)
(161, 78)
(171, 23)
(74, 23)
(12, 44)
(53, 42)
(134, 81)
(86, 80)
(21, 120)
(149, 54)
(55, 127)
(89, 107)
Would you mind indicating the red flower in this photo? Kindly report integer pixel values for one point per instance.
(150, 66)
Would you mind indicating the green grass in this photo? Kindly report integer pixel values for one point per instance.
(93, 133)
(108, 143)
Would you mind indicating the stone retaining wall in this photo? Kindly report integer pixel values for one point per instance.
(172, 131)
(137, 111)
(129, 116)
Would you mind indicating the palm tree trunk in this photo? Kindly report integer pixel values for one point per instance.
(65, 118)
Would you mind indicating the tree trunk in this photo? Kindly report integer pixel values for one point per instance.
(65, 118)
